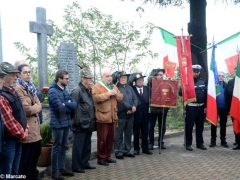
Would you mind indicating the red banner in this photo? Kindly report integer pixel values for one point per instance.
(169, 67)
(185, 68)
(164, 93)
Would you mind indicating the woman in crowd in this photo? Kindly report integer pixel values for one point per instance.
(32, 144)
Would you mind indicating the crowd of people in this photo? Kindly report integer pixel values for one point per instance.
(116, 109)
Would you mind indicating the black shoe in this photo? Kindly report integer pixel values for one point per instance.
(78, 170)
(150, 146)
(201, 146)
(147, 152)
(136, 152)
(224, 144)
(109, 160)
(103, 162)
(129, 155)
(66, 173)
(189, 148)
(57, 177)
(163, 146)
(213, 144)
(235, 143)
(237, 147)
(89, 167)
(119, 157)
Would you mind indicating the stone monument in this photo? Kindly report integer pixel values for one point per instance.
(42, 29)
(67, 60)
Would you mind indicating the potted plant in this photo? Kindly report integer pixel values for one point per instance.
(46, 134)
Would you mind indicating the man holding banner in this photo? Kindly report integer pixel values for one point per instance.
(157, 113)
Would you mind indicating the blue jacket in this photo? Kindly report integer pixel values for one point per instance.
(61, 106)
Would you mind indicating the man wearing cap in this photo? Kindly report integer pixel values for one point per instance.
(195, 111)
(83, 123)
(141, 116)
(105, 96)
(126, 109)
(14, 120)
(157, 113)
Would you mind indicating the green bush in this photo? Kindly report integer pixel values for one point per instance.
(46, 133)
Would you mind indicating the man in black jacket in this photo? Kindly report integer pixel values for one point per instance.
(141, 116)
(126, 109)
(83, 123)
(195, 112)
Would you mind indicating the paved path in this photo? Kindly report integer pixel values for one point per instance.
(174, 163)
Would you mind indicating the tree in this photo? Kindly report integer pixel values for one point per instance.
(99, 40)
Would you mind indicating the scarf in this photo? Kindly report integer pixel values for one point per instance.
(28, 86)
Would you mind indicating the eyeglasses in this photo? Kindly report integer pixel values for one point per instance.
(27, 72)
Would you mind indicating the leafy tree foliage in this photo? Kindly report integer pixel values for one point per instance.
(99, 40)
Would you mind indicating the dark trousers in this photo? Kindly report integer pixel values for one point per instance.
(105, 140)
(29, 159)
(12, 152)
(140, 125)
(223, 123)
(60, 139)
(194, 115)
(81, 150)
(123, 139)
(161, 117)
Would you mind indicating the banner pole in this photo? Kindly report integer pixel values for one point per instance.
(161, 129)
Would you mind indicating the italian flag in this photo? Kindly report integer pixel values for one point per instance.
(235, 105)
(226, 52)
(213, 90)
(169, 52)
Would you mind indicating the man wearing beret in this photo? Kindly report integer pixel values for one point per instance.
(83, 123)
(195, 112)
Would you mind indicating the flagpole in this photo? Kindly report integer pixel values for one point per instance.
(160, 141)
(184, 114)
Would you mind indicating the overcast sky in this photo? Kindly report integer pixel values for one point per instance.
(222, 19)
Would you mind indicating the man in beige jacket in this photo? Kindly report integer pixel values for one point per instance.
(105, 96)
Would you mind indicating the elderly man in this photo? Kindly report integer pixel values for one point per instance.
(83, 123)
(222, 113)
(14, 120)
(126, 110)
(105, 96)
(195, 112)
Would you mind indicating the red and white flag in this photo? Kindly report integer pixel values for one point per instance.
(235, 105)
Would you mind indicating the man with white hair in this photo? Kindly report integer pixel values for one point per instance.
(222, 113)
(105, 96)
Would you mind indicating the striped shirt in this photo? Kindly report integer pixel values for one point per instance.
(10, 123)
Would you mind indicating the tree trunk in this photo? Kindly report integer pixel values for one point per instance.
(197, 28)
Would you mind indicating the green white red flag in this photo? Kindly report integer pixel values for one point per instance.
(235, 105)
(213, 90)
(226, 52)
(169, 52)
(185, 68)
